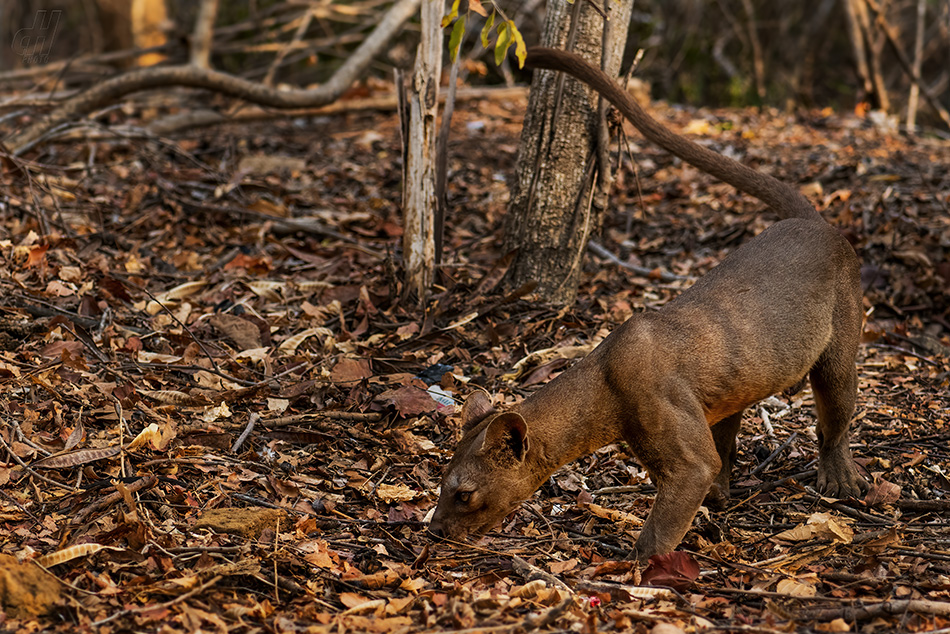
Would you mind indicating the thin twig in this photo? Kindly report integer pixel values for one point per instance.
(775, 454)
(214, 364)
(911, 353)
(161, 606)
(252, 420)
(600, 251)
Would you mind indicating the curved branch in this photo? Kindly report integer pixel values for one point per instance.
(108, 91)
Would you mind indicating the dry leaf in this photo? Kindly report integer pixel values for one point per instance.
(677, 570)
(882, 492)
(621, 517)
(795, 588)
(347, 370)
(390, 493)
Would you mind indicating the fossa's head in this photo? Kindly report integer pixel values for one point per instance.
(489, 476)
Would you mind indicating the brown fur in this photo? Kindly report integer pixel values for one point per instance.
(673, 383)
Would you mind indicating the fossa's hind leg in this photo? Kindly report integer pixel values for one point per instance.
(834, 381)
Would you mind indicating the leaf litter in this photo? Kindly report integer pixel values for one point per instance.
(220, 413)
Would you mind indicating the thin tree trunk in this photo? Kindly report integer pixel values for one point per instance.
(550, 217)
(875, 43)
(857, 42)
(204, 34)
(419, 197)
(442, 159)
(918, 60)
(758, 63)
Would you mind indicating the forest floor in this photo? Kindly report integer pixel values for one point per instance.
(214, 419)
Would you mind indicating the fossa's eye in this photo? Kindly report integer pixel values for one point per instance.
(463, 497)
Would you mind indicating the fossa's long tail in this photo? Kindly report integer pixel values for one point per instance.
(782, 197)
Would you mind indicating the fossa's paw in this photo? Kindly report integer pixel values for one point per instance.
(718, 498)
(840, 479)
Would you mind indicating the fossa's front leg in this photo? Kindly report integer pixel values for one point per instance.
(680, 454)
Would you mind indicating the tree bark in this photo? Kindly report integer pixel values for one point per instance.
(875, 42)
(419, 196)
(203, 35)
(856, 33)
(549, 216)
(918, 61)
(758, 63)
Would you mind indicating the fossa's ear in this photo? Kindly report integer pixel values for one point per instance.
(507, 432)
(475, 409)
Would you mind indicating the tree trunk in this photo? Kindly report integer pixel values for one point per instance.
(203, 36)
(875, 41)
(856, 33)
(918, 61)
(550, 216)
(419, 200)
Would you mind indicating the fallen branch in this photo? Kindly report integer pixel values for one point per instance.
(863, 613)
(55, 68)
(383, 103)
(601, 252)
(109, 91)
(924, 506)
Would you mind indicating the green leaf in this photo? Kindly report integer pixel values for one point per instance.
(504, 41)
(486, 30)
(454, 13)
(455, 40)
(521, 51)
